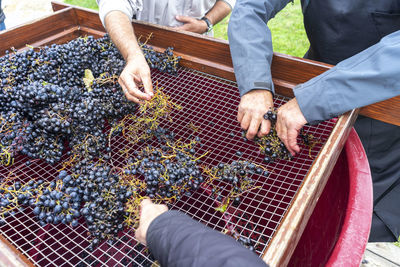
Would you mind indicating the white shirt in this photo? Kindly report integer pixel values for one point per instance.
(160, 12)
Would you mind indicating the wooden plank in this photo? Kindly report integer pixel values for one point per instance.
(387, 111)
(296, 70)
(293, 224)
(10, 256)
(37, 30)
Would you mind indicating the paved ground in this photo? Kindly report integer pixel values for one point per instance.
(21, 11)
(381, 254)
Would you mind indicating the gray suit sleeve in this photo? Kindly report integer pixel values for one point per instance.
(177, 240)
(368, 77)
(250, 43)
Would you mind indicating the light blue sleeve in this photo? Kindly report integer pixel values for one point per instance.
(368, 77)
(250, 42)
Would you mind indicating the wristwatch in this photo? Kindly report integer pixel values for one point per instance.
(209, 24)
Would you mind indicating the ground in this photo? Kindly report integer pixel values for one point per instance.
(23, 11)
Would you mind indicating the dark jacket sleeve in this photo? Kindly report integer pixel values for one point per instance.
(250, 43)
(175, 239)
(368, 77)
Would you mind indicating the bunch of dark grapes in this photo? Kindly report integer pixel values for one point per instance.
(53, 202)
(169, 172)
(59, 201)
(58, 100)
(270, 145)
(45, 89)
(163, 61)
(105, 198)
(237, 175)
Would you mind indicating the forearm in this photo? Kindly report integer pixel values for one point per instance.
(136, 71)
(177, 240)
(368, 77)
(218, 12)
(122, 34)
(251, 44)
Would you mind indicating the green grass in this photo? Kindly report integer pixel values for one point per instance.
(287, 28)
(83, 3)
(288, 35)
(398, 242)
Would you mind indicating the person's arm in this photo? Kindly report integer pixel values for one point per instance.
(368, 77)
(251, 49)
(116, 18)
(175, 239)
(218, 12)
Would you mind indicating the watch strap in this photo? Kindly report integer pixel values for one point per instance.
(209, 24)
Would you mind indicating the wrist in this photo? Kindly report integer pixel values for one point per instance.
(208, 24)
(134, 54)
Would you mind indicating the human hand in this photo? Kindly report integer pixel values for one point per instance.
(252, 108)
(289, 123)
(191, 24)
(135, 73)
(148, 212)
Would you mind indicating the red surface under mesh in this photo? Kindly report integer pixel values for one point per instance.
(210, 104)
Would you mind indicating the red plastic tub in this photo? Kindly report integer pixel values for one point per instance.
(337, 232)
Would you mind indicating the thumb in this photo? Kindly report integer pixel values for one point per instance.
(145, 202)
(184, 19)
(147, 84)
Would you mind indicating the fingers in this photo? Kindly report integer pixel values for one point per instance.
(126, 92)
(252, 108)
(131, 77)
(184, 19)
(245, 121)
(132, 88)
(186, 23)
(253, 128)
(290, 121)
(292, 145)
(191, 24)
(264, 129)
(240, 116)
(147, 84)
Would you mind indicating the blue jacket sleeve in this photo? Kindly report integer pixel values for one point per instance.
(175, 239)
(368, 77)
(250, 43)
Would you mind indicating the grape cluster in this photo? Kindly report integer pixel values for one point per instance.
(59, 201)
(53, 202)
(104, 197)
(270, 145)
(238, 176)
(46, 102)
(169, 172)
(56, 101)
(273, 148)
(163, 61)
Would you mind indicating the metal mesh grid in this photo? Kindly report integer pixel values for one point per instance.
(210, 104)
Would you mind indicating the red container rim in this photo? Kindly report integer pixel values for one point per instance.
(353, 238)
